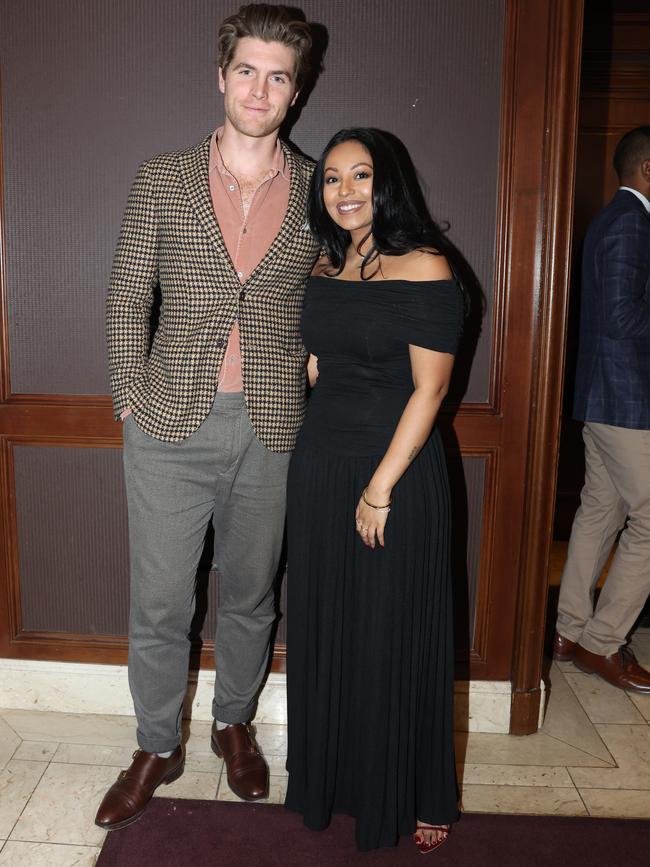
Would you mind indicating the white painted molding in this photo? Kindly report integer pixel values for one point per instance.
(69, 687)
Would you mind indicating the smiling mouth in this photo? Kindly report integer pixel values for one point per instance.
(349, 207)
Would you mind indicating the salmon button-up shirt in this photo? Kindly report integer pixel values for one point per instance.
(247, 236)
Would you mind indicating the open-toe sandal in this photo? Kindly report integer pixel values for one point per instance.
(426, 846)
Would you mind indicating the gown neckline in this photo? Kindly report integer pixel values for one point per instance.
(389, 280)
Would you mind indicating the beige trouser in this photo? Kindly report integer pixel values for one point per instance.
(617, 484)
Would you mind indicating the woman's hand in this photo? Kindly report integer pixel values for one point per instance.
(431, 372)
(371, 522)
(312, 370)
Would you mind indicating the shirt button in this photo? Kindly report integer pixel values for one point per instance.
(242, 295)
(243, 231)
(240, 274)
(220, 342)
(232, 188)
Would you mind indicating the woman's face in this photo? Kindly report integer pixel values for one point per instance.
(347, 186)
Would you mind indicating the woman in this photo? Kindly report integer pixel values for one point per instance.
(370, 654)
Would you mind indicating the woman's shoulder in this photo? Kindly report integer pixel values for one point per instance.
(424, 264)
(428, 290)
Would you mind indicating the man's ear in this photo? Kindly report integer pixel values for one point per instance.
(295, 97)
(222, 81)
(645, 169)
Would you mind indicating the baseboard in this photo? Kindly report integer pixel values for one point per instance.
(68, 687)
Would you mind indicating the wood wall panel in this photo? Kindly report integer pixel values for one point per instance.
(550, 262)
(506, 424)
(71, 570)
(72, 539)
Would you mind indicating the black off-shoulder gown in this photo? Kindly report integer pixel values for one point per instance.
(370, 651)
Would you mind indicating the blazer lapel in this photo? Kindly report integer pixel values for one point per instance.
(296, 213)
(194, 168)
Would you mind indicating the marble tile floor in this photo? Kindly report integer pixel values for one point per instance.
(591, 757)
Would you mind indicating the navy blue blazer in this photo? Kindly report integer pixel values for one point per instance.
(613, 371)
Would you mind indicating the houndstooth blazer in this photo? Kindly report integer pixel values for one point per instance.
(170, 238)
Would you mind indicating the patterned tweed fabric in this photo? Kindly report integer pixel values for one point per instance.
(170, 239)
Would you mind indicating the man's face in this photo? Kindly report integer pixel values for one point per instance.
(258, 86)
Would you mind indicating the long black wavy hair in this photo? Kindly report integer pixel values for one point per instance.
(401, 221)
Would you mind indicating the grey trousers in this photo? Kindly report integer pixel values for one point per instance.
(173, 489)
(617, 484)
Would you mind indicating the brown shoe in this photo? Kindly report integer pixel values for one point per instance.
(127, 798)
(248, 773)
(563, 649)
(620, 669)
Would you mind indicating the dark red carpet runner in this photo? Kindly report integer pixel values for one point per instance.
(182, 833)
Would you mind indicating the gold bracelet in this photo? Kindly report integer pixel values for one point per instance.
(385, 508)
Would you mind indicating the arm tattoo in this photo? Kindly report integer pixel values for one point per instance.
(414, 452)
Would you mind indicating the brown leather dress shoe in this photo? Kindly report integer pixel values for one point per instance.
(127, 798)
(620, 669)
(563, 649)
(248, 773)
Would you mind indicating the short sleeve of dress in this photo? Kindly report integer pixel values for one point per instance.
(431, 315)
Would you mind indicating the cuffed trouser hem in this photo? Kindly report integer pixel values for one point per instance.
(600, 649)
(233, 716)
(568, 632)
(157, 745)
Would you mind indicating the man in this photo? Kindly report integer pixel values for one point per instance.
(612, 398)
(212, 410)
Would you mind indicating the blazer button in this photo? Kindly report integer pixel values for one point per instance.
(242, 294)
(220, 342)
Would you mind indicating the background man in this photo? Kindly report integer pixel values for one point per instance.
(212, 409)
(612, 397)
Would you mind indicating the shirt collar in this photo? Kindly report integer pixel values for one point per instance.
(279, 164)
(645, 202)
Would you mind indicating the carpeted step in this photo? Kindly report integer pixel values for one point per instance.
(186, 833)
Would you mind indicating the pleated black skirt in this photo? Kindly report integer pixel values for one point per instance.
(370, 649)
